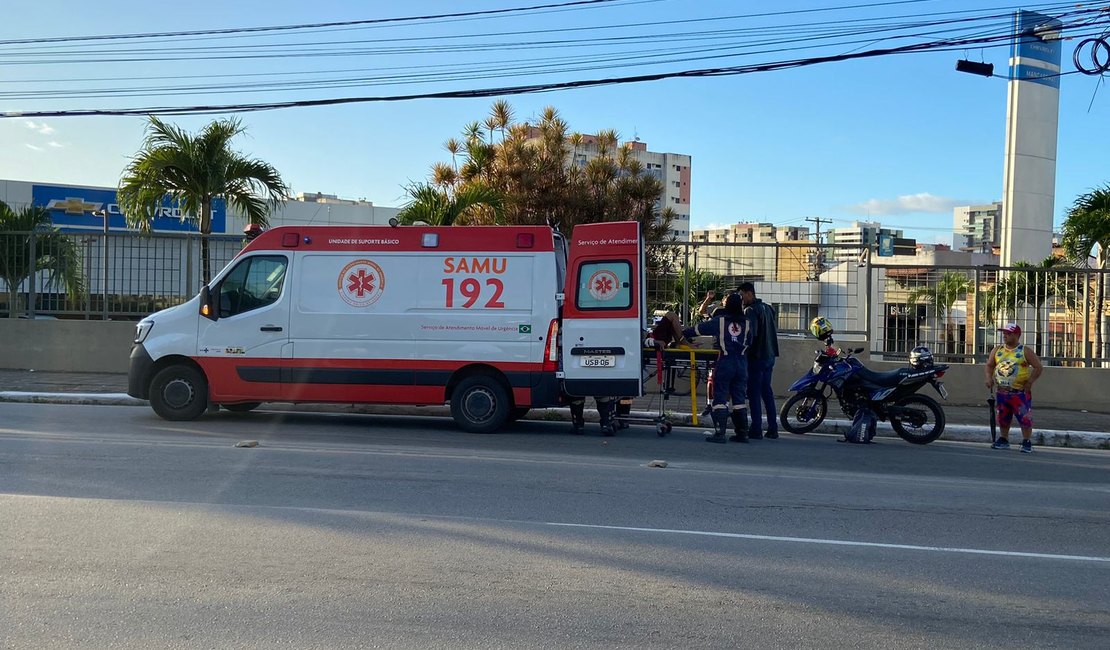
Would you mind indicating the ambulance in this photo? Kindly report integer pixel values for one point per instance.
(493, 320)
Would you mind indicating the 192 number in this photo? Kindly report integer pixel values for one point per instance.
(471, 290)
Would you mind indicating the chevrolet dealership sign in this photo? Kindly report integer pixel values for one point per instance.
(74, 207)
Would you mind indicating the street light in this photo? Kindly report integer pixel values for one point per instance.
(104, 271)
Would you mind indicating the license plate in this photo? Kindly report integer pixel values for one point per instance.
(591, 361)
(943, 391)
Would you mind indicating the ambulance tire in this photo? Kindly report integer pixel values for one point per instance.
(480, 404)
(179, 392)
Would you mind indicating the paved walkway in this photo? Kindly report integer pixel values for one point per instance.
(963, 422)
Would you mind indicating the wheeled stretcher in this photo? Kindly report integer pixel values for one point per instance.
(677, 372)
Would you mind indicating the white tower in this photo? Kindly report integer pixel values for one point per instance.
(1032, 118)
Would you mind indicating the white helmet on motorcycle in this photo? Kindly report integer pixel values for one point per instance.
(921, 358)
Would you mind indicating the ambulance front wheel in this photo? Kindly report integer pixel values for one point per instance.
(179, 393)
(480, 404)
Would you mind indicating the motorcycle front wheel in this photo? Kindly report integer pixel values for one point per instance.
(804, 412)
(924, 425)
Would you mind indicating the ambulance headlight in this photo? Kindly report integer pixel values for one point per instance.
(142, 329)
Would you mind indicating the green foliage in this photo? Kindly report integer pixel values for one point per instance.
(29, 239)
(437, 207)
(1029, 285)
(1087, 225)
(194, 170)
(537, 172)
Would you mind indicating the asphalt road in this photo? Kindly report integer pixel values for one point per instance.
(123, 530)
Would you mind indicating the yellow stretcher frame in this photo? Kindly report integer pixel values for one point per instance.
(685, 353)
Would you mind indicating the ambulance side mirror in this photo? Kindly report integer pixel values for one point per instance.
(207, 309)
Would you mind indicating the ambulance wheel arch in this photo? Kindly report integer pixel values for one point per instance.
(481, 399)
(178, 389)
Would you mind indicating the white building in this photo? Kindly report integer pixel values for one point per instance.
(161, 268)
(860, 235)
(977, 228)
(79, 207)
(750, 233)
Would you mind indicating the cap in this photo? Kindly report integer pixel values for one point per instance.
(1010, 328)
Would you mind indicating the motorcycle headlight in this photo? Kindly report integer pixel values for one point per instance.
(816, 367)
(142, 330)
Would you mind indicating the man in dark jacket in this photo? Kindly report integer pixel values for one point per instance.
(761, 362)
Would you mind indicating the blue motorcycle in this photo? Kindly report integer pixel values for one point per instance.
(891, 396)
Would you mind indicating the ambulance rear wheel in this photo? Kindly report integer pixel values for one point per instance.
(179, 393)
(480, 404)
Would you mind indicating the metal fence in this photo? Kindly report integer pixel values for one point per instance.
(801, 279)
(94, 275)
(956, 310)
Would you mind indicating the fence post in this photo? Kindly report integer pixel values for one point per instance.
(1087, 320)
(188, 244)
(32, 271)
(686, 280)
(104, 273)
(976, 331)
(868, 326)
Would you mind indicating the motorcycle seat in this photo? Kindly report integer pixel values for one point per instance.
(883, 379)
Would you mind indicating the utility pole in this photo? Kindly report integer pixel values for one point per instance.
(817, 221)
(818, 259)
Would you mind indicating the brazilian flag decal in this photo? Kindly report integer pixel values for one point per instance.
(523, 329)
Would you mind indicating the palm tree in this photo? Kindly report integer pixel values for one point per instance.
(438, 207)
(49, 250)
(502, 114)
(193, 171)
(1086, 227)
(1030, 285)
(951, 287)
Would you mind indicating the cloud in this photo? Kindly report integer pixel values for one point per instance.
(908, 204)
(31, 146)
(55, 144)
(41, 127)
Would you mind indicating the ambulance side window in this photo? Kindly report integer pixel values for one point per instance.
(256, 282)
(604, 285)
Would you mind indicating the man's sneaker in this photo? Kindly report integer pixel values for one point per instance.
(772, 435)
(1026, 446)
(1001, 443)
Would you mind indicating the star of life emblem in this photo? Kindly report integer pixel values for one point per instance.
(361, 283)
(603, 285)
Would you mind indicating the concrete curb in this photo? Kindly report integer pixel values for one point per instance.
(956, 432)
(85, 399)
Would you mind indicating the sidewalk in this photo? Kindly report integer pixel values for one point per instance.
(1054, 427)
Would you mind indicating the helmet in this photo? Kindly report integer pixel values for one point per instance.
(820, 327)
(921, 358)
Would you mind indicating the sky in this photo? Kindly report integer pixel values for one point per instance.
(898, 139)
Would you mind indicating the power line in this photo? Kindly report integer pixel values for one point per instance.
(302, 26)
(936, 45)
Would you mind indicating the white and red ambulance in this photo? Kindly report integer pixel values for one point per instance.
(493, 320)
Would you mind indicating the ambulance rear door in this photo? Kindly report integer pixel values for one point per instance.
(603, 312)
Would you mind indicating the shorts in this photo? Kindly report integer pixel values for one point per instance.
(1009, 404)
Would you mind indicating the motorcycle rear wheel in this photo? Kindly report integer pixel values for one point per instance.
(919, 435)
(804, 412)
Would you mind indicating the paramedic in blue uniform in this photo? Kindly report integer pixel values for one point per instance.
(732, 332)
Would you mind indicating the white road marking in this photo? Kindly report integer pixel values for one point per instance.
(838, 542)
